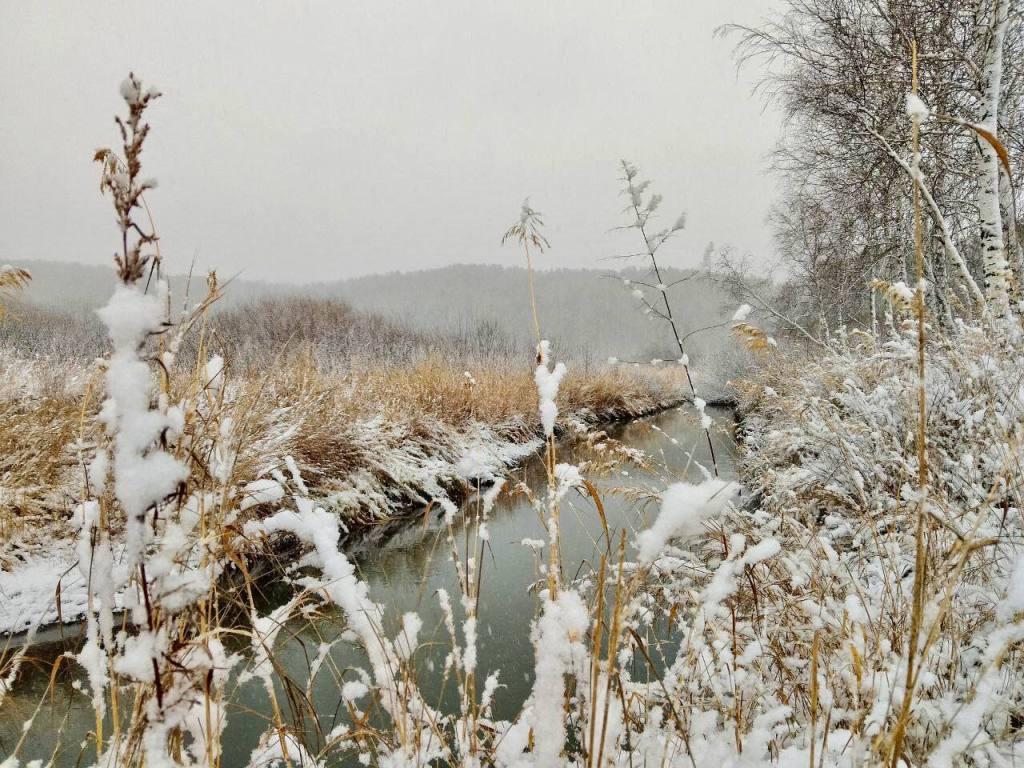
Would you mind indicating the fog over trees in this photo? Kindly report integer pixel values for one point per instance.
(588, 314)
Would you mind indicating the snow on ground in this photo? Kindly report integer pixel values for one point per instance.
(36, 566)
(406, 474)
(28, 594)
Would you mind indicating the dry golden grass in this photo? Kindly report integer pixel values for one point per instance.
(333, 424)
(506, 391)
(12, 280)
(376, 429)
(39, 424)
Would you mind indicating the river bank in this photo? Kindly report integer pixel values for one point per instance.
(367, 449)
(404, 565)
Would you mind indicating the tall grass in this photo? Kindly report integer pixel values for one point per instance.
(336, 425)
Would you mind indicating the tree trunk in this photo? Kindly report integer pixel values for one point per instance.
(993, 248)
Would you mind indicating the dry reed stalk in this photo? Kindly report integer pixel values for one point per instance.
(651, 248)
(920, 532)
(528, 231)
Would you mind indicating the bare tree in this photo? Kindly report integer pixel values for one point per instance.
(841, 71)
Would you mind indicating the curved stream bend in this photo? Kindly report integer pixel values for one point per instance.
(404, 571)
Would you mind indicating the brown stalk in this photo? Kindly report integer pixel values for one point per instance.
(920, 540)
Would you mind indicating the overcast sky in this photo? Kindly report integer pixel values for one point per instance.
(307, 141)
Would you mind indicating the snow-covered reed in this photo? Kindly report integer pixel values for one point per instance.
(774, 633)
(833, 463)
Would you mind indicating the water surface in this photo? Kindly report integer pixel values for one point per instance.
(405, 567)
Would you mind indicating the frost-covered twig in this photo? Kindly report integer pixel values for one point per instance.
(642, 213)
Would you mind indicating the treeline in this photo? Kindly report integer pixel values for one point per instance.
(841, 71)
(480, 310)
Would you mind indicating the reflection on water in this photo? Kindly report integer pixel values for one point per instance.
(404, 570)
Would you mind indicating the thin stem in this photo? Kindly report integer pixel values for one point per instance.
(920, 554)
(554, 548)
(533, 295)
(641, 224)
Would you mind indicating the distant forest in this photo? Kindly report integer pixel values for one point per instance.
(587, 314)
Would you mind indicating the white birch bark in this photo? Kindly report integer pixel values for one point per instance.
(993, 248)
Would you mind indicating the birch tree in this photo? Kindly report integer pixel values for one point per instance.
(839, 70)
(993, 248)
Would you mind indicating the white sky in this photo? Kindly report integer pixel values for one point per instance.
(307, 141)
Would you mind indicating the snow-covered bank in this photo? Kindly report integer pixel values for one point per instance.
(831, 459)
(392, 465)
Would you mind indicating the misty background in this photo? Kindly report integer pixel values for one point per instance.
(336, 150)
(309, 141)
(466, 312)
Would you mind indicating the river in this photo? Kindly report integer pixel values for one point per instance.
(405, 566)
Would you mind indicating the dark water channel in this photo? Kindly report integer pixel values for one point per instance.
(405, 566)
